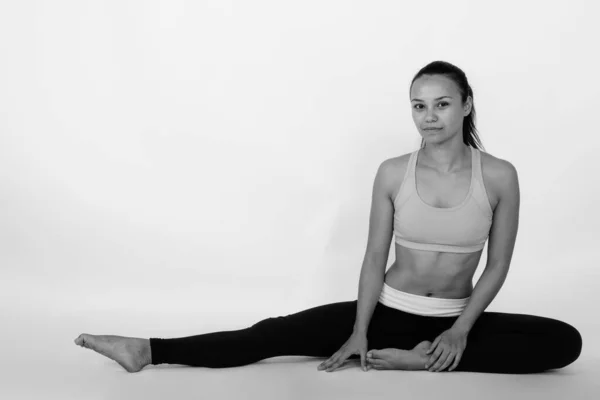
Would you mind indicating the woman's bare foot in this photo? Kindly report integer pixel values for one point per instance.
(414, 359)
(133, 354)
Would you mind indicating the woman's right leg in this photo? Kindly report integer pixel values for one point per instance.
(318, 332)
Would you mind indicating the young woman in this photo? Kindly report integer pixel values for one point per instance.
(441, 202)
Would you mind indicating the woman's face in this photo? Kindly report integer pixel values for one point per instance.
(436, 103)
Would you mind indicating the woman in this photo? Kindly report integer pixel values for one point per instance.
(441, 202)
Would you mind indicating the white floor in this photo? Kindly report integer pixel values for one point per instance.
(40, 361)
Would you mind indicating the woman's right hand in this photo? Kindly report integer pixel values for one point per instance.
(356, 344)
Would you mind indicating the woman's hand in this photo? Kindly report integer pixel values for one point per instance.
(447, 347)
(356, 344)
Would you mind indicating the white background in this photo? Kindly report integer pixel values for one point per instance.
(170, 168)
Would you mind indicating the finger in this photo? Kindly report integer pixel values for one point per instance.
(448, 361)
(456, 361)
(329, 361)
(324, 363)
(436, 354)
(336, 364)
(440, 361)
(433, 345)
(363, 359)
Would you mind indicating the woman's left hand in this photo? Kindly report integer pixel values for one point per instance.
(447, 347)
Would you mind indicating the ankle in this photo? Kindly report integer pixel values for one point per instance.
(146, 352)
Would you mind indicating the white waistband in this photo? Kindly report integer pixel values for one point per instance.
(421, 305)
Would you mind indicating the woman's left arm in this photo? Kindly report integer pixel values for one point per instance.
(503, 234)
(446, 350)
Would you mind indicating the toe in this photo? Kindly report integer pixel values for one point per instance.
(87, 341)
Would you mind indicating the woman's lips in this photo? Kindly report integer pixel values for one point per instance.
(431, 129)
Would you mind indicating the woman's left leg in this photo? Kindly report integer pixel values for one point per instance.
(519, 344)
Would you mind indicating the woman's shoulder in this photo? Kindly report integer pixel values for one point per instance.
(495, 168)
(495, 172)
(395, 166)
(394, 170)
(399, 163)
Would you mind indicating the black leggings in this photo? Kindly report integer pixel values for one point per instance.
(497, 343)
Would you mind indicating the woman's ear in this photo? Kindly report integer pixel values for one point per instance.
(468, 105)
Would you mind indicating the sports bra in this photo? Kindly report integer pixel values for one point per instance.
(460, 229)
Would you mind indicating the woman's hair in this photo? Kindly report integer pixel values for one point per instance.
(470, 137)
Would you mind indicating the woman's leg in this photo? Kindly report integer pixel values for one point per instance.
(519, 344)
(312, 332)
(317, 332)
(498, 342)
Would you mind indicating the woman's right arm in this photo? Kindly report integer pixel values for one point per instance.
(369, 288)
(381, 225)
(373, 269)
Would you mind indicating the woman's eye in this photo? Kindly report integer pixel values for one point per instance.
(442, 102)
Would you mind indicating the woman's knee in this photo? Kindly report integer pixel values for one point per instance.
(567, 343)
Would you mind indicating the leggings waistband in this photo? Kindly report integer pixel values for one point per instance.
(421, 305)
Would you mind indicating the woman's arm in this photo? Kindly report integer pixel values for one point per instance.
(503, 235)
(381, 225)
(369, 288)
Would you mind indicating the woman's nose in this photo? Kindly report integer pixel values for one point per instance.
(430, 116)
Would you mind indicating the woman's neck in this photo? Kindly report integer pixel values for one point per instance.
(445, 159)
